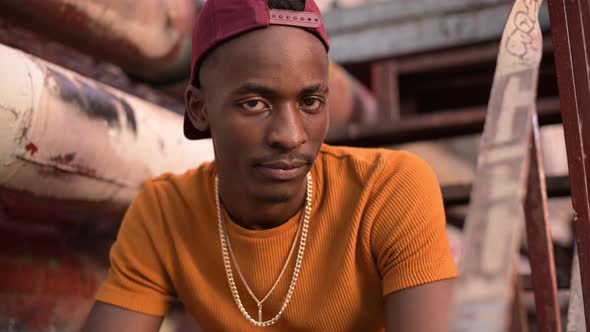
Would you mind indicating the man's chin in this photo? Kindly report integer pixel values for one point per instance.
(275, 199)
(275, 193)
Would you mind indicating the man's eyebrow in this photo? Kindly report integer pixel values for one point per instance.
(255, 89)
(265, 91)
(315, 89)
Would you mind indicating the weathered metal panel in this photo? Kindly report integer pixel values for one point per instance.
(493, 229)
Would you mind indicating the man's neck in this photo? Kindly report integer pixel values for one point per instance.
(254, 214)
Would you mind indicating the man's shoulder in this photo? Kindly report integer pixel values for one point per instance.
(190, 182)
(376, 169)
(374, 158)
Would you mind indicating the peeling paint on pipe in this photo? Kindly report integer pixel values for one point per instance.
(65, 137)
(150, 39)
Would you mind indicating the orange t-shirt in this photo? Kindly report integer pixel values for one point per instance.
(377, 226)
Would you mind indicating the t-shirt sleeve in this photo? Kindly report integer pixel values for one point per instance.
(137, 279)
(408, 237)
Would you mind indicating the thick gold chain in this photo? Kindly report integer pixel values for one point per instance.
(225, 244)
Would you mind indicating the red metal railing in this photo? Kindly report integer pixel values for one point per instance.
(570, 28)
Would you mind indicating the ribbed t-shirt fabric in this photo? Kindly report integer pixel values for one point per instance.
(377, 226)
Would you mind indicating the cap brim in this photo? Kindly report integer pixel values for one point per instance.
(193, 133)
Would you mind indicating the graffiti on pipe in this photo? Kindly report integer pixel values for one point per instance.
(94, 102)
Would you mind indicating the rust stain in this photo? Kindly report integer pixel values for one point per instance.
(32, 148)
(53, 172)
(64, 159)
(64, 164)
(85, 170)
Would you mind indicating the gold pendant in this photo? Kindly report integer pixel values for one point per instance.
(260, 312)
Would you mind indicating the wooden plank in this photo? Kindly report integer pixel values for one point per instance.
(469, 55)
(428, 127)
(539, 241)
(386, 12)
(371, 38)
(519, 321)
(484, 291)
(458, 194)
(575, 313)
(568, 20)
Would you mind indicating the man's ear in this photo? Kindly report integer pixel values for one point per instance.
(196, 109)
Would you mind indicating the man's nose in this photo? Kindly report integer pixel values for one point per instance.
(287, 129)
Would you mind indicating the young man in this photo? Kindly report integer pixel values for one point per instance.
(281, 231)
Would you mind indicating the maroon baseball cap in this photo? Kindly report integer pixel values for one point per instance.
(220, 20)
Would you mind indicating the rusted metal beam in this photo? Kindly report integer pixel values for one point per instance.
(485, 290)
(71, 142)
(385, 85)
(432, 126)
(527, 283)
(570, 25)
(151, 41)
(539, 241)
(457, 194)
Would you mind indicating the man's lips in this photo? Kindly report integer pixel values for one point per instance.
(283, 164)
(283, 170)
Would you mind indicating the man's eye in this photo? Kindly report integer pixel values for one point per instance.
(312, 103)
(254, 105)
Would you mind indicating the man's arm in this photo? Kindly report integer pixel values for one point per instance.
(106, 317)
(424, 308)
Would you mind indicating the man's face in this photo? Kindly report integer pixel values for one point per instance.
(265, 96)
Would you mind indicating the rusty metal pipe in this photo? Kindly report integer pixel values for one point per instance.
(150, 39)
(68, 141)
(350, 101)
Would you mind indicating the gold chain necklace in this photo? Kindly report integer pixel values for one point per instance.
(237, 267)
(225, 244)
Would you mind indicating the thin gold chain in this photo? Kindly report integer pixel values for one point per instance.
(237, 266)
(225, 244)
